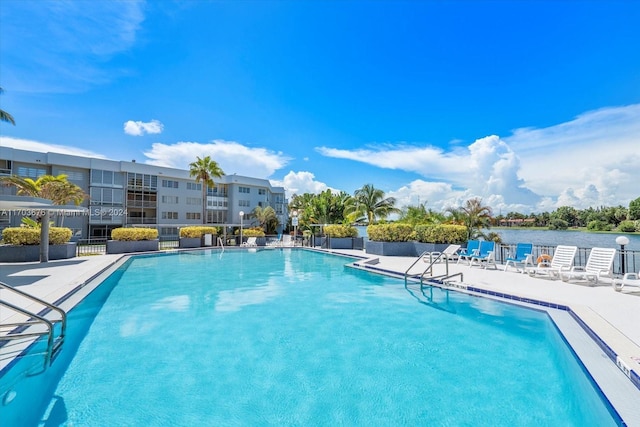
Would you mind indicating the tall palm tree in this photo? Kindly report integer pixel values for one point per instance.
(4, 116)
(204, 170)
(267, 218)
(370, 203)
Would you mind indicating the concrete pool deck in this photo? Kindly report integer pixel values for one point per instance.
(613, 316)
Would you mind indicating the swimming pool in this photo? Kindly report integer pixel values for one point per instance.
(292, 337)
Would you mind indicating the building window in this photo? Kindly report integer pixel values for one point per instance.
(243, 203)
(194, 201)
(168, 231)
(167, 183)
(194, 215)
(169, 215)
(245, 190)
(262, 191)
(170, 200)
(72, 175)
(194, 186)
(34, 173)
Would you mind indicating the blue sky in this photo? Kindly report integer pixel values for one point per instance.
(528, 104)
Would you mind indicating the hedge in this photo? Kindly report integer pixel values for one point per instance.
(31, 236)
(197, 231)
(390, 232)
(252, 232)
(339, 230)
(441, 233)
(133, 234)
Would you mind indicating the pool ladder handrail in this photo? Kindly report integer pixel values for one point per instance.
(54, 344)
(429, 268)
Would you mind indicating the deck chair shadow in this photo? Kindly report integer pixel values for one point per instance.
(599, 264)
(523, 256)
(562, 260)
(629, 279)
(486, 255)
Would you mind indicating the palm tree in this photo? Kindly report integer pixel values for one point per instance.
(474, 215)
(55, 188)
(4, 116)
(204, 170)
(370, 203)
(267, 218)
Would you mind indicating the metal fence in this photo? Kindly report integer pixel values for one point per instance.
(625, 261)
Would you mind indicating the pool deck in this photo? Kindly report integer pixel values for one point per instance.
(613, 316)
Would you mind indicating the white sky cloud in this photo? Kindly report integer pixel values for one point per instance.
(300, 183)
(232, 157)
(43, 147)
(589, 161)
(139, 128)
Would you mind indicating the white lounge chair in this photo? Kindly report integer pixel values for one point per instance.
(562, 261)
(599, 264)
(251, 241)
(450, 253)
(629, 279)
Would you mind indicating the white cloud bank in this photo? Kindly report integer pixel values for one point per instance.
(589, 161)
(232, 157)
(139, 128)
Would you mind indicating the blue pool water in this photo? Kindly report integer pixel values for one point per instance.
(282, 337)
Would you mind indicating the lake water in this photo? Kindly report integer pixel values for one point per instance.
(580, 239)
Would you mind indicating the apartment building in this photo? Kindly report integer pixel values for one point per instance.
(133, 194)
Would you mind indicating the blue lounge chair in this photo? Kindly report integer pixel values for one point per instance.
(522, 257)
(469, 251)
(486, 255)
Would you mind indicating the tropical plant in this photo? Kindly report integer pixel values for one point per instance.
(267, 218)
(204, 170)
(419, 215)
(474, 215)
(6, 117)
(55, 188)
(369, 203)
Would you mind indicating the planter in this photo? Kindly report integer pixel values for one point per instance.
(126, 246)
(29, 253)
(190, 242)
(341, 242)
(411, 249)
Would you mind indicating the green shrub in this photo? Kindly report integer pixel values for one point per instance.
(197, 231)
(598, 225)
(558, 224)
(628, 226)
(31, 236)
(134, 234)
(441, 233)
(253, 232)
(390, 232)
(339, 230)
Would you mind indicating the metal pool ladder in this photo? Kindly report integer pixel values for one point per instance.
(429, 270)
(31, 328)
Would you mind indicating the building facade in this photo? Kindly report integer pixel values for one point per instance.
(123, 194)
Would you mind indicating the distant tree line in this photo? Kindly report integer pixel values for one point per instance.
(624, 219)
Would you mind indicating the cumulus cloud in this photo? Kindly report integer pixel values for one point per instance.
(139, 128)
(232, 157)
(69, 40)
(589, 161)
(301, 182)
(42, 147)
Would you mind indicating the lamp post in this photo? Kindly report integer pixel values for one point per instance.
(622, 240)
(294, 222)
(241, 217)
